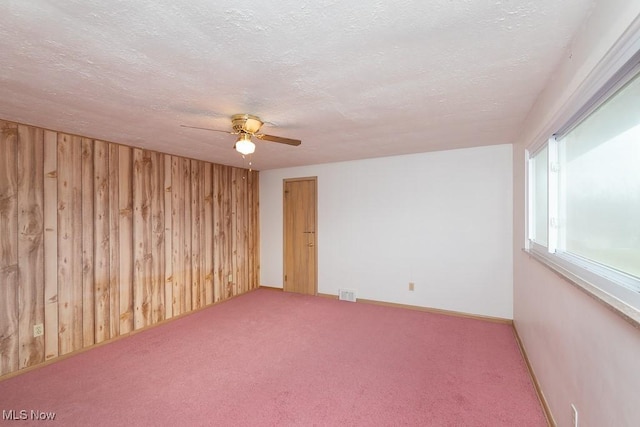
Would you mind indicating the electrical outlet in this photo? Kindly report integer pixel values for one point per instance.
(574, 415)
(230, 278)
(411, 286)
(38, 330)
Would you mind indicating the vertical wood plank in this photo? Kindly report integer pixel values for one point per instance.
(125, 228)
(208, 233)
(223, 231)
(250, 231)
(50, 244)
(253, 230)
(30, 243)
(234, 231)
(102, 250)
(157, 237)
(195, 235)
(177, 241)
(228, 195)
(240, 229)
(202, 249)
(9, 353)
(168, 237)
(114, 242)
(186, 237)
(245, 231)
(256, 252)
(87, 231)
(70, 258)
(142, 238)
(217, 233)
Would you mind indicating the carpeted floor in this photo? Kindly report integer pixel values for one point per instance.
(270, 358)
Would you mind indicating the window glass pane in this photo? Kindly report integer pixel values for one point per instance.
(540, 196)
(600, 194)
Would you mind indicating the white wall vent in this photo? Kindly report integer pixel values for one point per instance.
(347, 295)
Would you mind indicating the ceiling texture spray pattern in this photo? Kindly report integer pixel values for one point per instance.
(353, 81)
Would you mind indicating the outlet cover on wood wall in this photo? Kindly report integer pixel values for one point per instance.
(38, 330)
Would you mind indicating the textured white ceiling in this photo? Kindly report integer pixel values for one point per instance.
(352, 80)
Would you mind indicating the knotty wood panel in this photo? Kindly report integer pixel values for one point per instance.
(30, 169)
(125, 224)
(186, 236)
(102, 249)
(233, 236)
(255, 208)
(157, 237)
(87, 231)
(202, 293)
(217, 233)
(229, 254)
(70, 239)
(177, 227)
(208, 233)
(254, 230)
(8, 249)
(240, 227)
(196, 233)
(223, 231)
(114, 241)
(99, 239)
(50, 244)
(142, 230)
(168, 237)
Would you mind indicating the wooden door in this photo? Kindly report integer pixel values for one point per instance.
(300, 238)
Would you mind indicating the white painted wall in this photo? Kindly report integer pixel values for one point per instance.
(442, 220)
(580, 351)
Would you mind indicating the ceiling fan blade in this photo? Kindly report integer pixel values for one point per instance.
(209, 129)
(279, 139)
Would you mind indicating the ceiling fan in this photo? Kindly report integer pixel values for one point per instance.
(247, 126)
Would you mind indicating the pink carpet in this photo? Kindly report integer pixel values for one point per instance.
(270, 358)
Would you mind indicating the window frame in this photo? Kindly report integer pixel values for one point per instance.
(617, 290)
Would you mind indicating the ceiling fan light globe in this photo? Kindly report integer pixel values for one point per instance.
(245, 146)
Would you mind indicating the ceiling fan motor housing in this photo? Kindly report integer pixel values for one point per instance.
(246, 123)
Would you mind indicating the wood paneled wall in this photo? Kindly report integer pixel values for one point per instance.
(99, 239)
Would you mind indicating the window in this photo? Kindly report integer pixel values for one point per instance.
(600, 184)
(539, 165)
(584, 195)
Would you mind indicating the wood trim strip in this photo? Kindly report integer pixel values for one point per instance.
(428, 310)
(536, 384)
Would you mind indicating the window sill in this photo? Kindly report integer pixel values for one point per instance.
(622, 309)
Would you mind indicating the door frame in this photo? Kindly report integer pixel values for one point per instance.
(284, 228)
